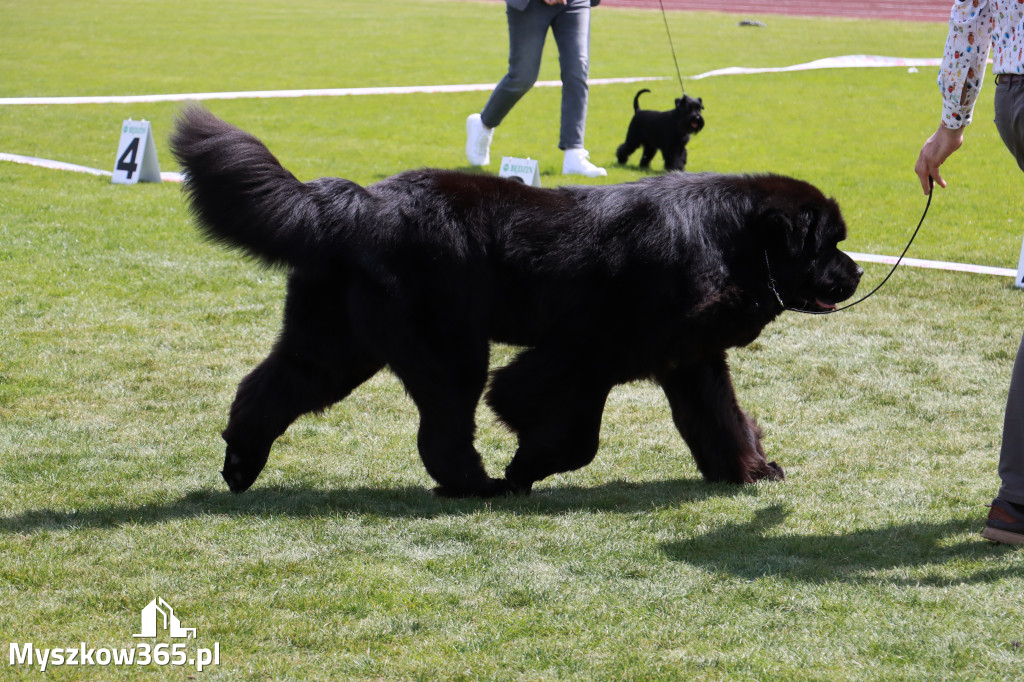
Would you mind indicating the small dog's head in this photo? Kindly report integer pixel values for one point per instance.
(688, 112)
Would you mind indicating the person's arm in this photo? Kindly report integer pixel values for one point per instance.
(960, 79)
(937, 149)
(964, 59)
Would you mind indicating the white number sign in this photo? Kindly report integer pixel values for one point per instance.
(136, 154)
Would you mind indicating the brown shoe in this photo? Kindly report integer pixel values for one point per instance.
(1005, 524)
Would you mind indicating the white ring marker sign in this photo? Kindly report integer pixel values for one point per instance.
(136, 154)
(525, 170)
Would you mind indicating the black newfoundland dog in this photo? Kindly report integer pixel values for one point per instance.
(598, 285)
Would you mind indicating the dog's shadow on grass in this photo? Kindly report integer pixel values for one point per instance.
(761, 547)
(917, 553)
(396, 502)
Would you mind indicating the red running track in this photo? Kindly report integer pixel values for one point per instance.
(904, 10)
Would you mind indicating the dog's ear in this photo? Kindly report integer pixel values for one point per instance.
(786, 227)
(679, 102)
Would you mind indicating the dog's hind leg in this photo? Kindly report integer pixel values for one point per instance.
(315, 363)
(554, 406)
(625, 149)
(284, 386)
(724, 441)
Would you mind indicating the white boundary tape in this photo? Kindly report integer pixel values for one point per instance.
(278, 94)
(933, 264)
(857, 61)
(73, 167)
(53, 165)
(844, 62)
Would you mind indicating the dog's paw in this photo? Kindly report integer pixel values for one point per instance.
(519, 489)
(775, 472)
(240, 472)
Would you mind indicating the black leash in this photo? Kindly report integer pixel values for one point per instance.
(771, 280)
(671, 46)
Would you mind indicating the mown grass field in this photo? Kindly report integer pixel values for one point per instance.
(123, 336)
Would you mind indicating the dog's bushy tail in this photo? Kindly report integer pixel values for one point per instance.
(242, 197)
(636, 100)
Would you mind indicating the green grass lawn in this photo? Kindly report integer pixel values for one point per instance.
(123, 336)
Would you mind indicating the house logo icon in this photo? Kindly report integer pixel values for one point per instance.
(150, 621)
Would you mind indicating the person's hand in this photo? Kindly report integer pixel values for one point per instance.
(555, 2)
(935, 151)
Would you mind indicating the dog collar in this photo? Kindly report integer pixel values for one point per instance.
(771, 281)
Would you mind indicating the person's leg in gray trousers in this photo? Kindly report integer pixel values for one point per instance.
(527, 31)
(571, 29)
(1009, 106)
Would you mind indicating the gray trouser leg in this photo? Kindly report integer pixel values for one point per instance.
(1009, 106)
(527, 31)
(572, 34)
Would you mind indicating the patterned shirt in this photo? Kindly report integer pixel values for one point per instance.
(974, 27)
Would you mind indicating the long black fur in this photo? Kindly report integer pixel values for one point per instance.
(666, 131)
(598, 286)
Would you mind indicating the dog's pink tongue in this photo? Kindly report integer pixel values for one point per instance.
(825, 306)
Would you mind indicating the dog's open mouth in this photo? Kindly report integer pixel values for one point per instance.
(817, 305)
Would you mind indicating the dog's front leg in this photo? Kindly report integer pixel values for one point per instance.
(648, 155)
(675, 158)
(724, 441)
(446, 379)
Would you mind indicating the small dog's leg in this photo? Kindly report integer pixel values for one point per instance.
(675, 158)
(648, 156)
(632, 143)
(625, 149)
(674, 163)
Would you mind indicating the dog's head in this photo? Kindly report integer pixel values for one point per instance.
(801, 231)
(688, 113)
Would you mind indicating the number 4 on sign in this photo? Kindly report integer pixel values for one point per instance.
(136, 154)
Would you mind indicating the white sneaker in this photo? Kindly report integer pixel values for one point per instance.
(577, 162)
(478, 141)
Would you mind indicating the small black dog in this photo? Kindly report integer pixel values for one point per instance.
(665, 131)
